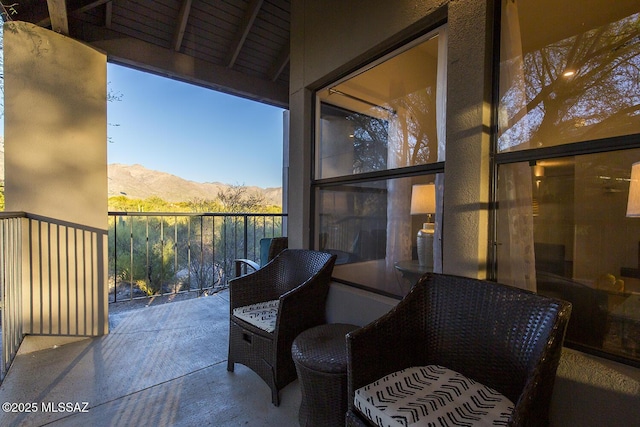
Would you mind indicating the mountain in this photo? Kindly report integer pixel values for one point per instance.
(138, 182)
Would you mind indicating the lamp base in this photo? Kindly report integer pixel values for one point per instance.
(425, 246)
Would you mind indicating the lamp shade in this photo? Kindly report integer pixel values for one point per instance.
(423, 199)
(633, 203)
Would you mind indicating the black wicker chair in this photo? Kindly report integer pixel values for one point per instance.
(299, 280)
(505, 338)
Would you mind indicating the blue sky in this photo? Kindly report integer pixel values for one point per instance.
(194, 133)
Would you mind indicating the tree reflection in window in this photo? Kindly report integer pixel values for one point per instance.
(417, 134)
(370, 142)
(583, 87)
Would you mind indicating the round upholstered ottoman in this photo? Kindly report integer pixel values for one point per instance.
(320, 356)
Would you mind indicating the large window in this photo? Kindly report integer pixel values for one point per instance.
(569, 133)
(379, 156)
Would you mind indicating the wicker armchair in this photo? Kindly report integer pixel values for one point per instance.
(297, 281)
(505, 338)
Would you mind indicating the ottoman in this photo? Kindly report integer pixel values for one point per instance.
(320, 356)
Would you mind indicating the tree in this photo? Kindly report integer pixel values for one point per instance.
(203, 205)
(236, 199)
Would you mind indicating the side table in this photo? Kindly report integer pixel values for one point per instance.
(320, 356)
(412, 270)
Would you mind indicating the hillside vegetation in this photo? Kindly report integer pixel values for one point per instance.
(230, 199)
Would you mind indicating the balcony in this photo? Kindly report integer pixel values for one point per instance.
(53, 272)
(164, 359)
(162, 364)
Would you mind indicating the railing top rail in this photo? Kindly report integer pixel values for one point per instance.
(7, 215)
(194, 214)
(61, 222)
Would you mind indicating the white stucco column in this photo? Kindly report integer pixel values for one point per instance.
(299, 154)
(466, 201)
(56, 171)
(299, 191)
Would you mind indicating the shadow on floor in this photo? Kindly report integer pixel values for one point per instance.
(161, 364)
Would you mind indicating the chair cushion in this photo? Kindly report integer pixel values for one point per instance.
(262, 315)
(431, 396)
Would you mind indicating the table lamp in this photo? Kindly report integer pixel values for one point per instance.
(423, 201)
(633, 202)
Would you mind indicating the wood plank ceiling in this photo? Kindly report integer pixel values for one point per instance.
(239, 47)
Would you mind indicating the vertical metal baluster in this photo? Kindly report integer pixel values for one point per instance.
(224, 244)
(115, 259)
(4, 226)
(213, 252)
(201, 265)
(189, 252)
(148, 272)
(175, 253)
(245, 235)
(162, 255)
(131, 260)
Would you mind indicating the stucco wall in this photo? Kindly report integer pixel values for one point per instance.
(56, 170)
(465, 238)
(55, 126)
(333, 37)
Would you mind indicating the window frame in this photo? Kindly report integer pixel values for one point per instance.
(317, 184)
(533, 155)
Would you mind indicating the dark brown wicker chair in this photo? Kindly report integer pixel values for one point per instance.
(505, 338)
(299, 280)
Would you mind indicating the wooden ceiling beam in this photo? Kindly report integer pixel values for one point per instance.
(75, 11)
(89, 6)
(245, 26)
(280, 63)
(108, 14)
(183, 17)
(58, 16)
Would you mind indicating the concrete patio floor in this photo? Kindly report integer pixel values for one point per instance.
(161, 365)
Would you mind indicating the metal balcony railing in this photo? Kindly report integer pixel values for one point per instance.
(162, 253)
(52, 271)
(11, 231)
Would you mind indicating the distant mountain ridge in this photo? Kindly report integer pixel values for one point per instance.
(138, 182)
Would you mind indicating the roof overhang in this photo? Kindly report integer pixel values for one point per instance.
(235, 46)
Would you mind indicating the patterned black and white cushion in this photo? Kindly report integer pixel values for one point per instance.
(431, 396)
(262, 315)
